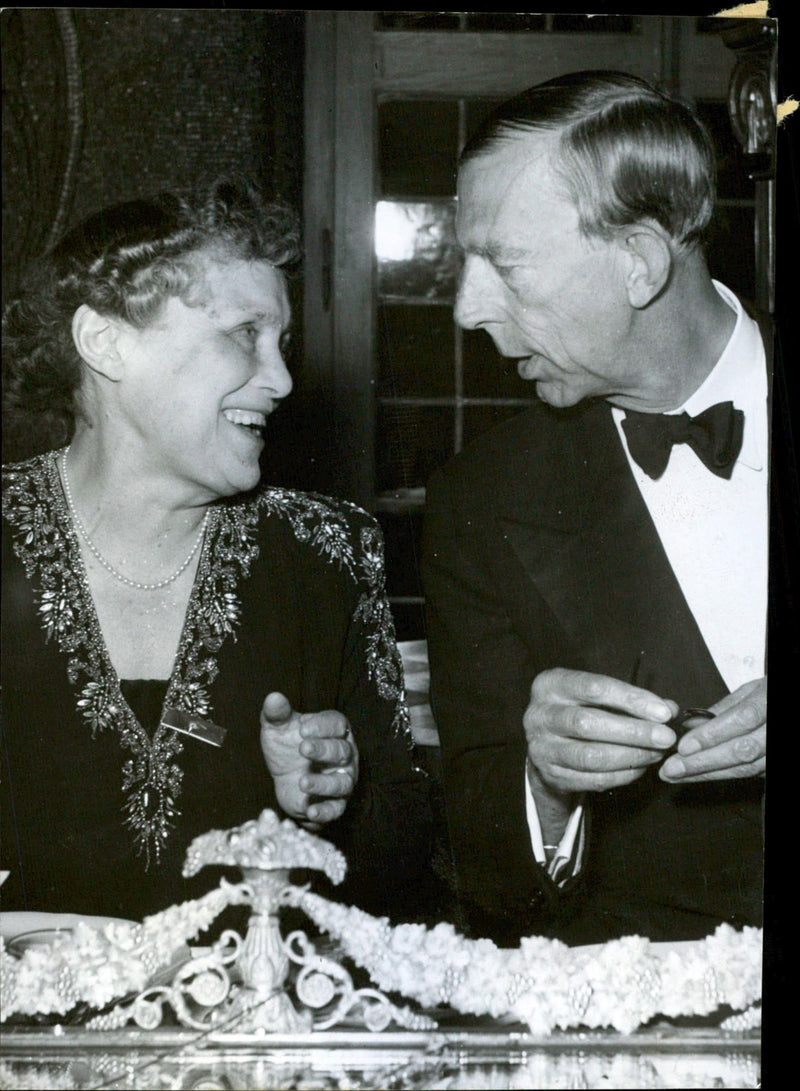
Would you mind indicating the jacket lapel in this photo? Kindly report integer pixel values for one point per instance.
(591, 551)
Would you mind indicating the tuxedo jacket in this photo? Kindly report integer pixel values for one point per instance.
(539, 553)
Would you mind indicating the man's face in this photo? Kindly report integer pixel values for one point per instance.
(545, 293)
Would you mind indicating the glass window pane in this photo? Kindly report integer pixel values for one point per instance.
(505, 21)
(480, 418)
(403, 537)
(594, 24)
(416, 20)
(417, 145)
(416, 351)
(415, 245)
(487, 374)
(411, 442)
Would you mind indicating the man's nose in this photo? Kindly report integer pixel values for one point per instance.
(474, 296)
(273, 372)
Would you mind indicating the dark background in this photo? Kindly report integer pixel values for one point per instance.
(162, 98)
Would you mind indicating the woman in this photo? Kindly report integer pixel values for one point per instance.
(158, 604)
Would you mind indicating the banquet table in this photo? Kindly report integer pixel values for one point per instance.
(96, 1003)
(459, 1054)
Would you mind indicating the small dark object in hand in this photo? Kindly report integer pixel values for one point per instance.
(681, 723)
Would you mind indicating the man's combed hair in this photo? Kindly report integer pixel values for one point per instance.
(627, 152)
(125, 261)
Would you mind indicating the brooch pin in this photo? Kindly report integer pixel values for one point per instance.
(195, 726)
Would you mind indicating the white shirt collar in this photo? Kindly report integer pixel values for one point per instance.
(740, 376)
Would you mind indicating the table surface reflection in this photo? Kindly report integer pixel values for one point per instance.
(487, 1056)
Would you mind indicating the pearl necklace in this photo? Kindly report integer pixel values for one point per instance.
(98, 556)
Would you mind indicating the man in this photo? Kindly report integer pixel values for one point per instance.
(578, 602)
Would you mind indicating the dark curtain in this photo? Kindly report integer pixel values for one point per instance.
(43, 119)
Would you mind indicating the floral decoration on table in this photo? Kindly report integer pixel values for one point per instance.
(265, 850)
(93, 965)
(547, 985)
(241, 983)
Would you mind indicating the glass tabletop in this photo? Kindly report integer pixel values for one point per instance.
(480, 1055)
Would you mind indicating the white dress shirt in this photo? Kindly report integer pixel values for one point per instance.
(714, 532)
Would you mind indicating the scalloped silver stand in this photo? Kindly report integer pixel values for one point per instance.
(241, 983)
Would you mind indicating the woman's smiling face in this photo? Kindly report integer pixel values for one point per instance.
(199, 382)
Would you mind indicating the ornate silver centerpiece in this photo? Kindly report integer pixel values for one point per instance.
(265, 850)
(240, 984)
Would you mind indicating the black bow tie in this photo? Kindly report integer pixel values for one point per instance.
(714, 435)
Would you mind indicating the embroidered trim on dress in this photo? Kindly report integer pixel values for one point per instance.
(45, 542)
(313, 519)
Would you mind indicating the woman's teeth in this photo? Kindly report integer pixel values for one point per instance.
(246, 417)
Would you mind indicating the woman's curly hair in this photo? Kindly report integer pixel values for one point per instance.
(126, 261)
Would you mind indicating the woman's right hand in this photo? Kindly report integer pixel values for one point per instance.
(313, 759)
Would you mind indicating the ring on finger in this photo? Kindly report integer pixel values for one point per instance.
(681, 723)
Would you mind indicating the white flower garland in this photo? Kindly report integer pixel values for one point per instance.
(95, 965)
(542, 983)
(545, 984)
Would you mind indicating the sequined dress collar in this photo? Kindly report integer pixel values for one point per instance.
(46, 543)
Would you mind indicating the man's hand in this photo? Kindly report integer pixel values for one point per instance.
(313, 759)
(588, 732)
(732, 745)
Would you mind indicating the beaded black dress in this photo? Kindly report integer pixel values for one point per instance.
(100, 800)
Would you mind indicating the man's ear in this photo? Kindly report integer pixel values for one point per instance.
(649, 263)
(95, 336)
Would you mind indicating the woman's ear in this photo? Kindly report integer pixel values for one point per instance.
(95, 336)
(649, 263)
